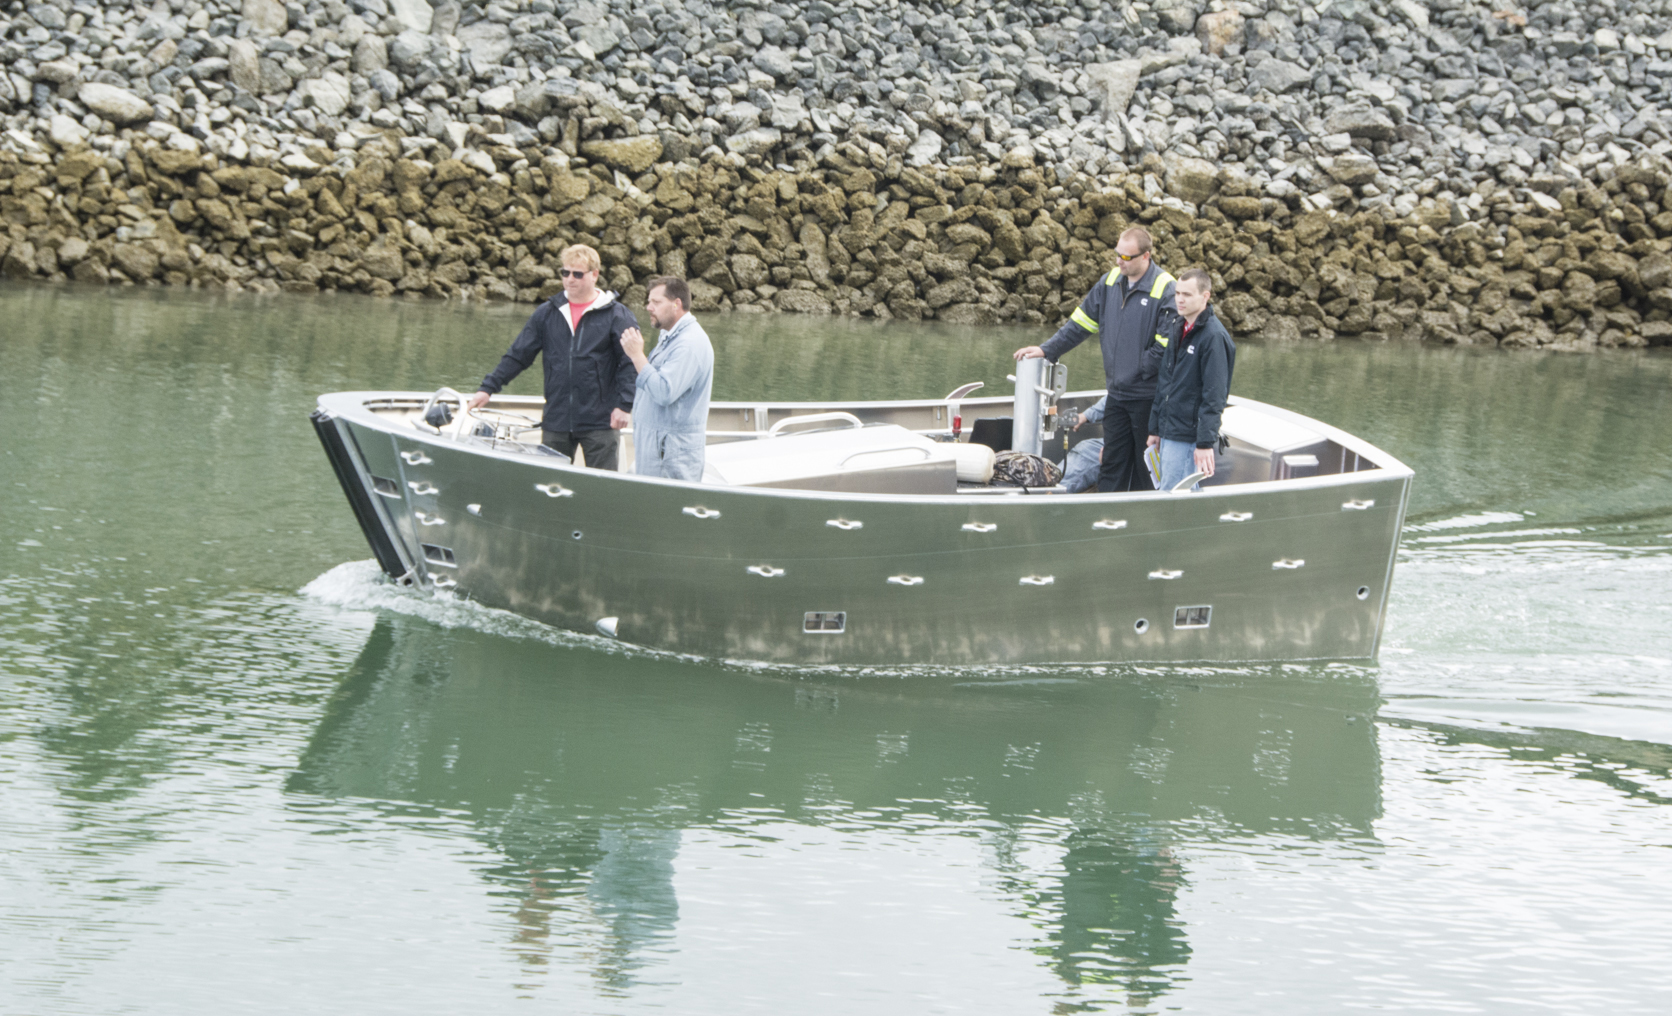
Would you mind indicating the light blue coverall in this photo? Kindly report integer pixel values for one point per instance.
(670, 404)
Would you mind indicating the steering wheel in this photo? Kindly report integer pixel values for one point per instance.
(504, 418)
(504, 422)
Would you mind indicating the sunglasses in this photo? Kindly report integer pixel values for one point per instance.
(568, 273)
(1128, 257)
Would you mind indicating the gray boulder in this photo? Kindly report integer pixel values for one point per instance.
(329, 93)
(385, 84)
(487, 42)
(48, 17)
(409, 49)
(445, 20)
(266, 17)
(755, 142)
(1191, 180)
(413, 15)
(272, 79)
(370, 54)
(925, 149)
(770, 26)
(244, 64)
(1218, 30)
(1178, 17)
(1272, 29)
(118, 105)
(1112, 84)
(209, 68)
(739, 117)
(1352, 169)
(598, 39)
(1278, 76)
(57, 71)
(775, 62)
(1361, 121)
(785, 111)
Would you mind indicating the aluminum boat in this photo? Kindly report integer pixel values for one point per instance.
(871, 533)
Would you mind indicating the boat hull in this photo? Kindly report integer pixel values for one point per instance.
(1293, 569)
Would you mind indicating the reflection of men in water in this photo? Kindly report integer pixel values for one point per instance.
(1119, 905)
(620, 877)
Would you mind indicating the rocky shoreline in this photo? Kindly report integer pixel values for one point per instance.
(1443, 171)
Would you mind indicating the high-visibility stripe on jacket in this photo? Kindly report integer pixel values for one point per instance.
(1126, 321)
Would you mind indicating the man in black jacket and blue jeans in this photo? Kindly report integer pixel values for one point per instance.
(1123, 310)
(589, 379)
(1194, 382)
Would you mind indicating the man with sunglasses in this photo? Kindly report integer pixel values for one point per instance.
(589, 377)
(1124, 310)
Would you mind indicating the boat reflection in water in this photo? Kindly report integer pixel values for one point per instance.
(589, 772)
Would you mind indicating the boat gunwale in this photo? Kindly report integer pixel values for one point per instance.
(358, 407)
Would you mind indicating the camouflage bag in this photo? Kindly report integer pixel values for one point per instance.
(1022, 469)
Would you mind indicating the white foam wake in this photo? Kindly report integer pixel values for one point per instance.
(361, 585)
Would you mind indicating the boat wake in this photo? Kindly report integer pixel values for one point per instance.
(1495, 618)
(361, 585)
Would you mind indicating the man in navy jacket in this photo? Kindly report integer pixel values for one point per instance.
(1194, 382)
(1123, 310)
(589, 379)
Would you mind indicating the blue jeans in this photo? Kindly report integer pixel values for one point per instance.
(1178, 460)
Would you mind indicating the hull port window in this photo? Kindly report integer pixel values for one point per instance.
(1192, 617)
(388, 488)
(439, 555)
(825, 622)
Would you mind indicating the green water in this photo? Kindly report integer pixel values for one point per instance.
(238, 773)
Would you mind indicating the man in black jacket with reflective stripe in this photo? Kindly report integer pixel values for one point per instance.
(1194, 383)
(589, 379)
(1123, 309)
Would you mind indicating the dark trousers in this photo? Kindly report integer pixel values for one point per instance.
(1125, 433)
(602, 447)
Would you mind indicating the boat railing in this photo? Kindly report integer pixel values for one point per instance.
(1261, 442)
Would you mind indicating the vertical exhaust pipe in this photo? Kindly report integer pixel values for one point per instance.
(1027, 433)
